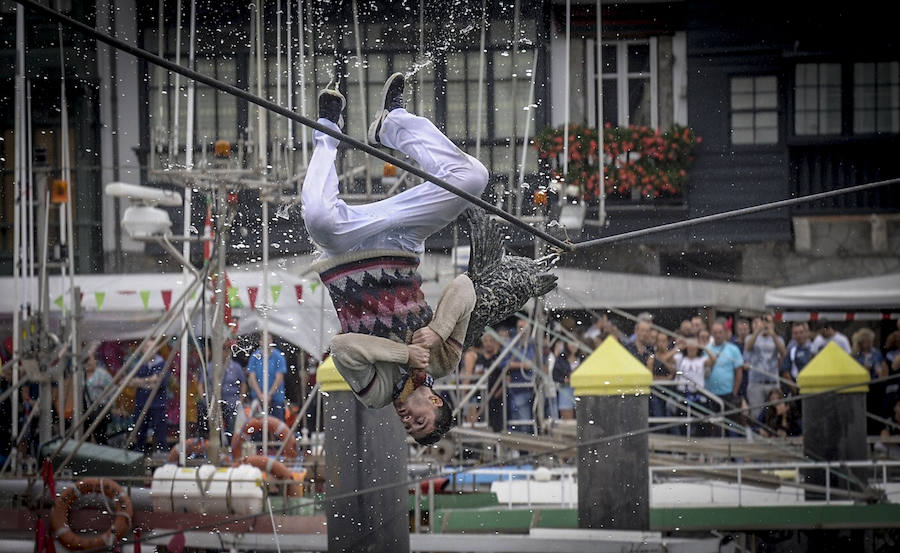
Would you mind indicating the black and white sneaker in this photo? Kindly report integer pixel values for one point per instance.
(392, 98)
(331, 104)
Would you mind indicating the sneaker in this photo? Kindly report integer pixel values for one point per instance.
(331, 104)
(392, 98)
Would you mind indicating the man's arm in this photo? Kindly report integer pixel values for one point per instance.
(280, 370)
(353, 351)
(738, 378)
(446, 332)
(451, 318)
(779, 345)
(254, 385)
(751, 340)
(469, 359)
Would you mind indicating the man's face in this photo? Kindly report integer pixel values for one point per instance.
(718, 333)
(642, 333)
(743, 328)
(697, 324)
(522, 326)
(800, 334)
(686, 328)
(827, 332)
(418, 411)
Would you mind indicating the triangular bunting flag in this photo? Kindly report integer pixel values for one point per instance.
(251, 292)
(298, 289)
(145, 298)
(59, 302)
(167, 298)
(276, 291)
(99, 297)
(233, 298)
(313, 286)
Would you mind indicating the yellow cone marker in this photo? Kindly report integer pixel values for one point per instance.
(833, 368)
(611, 370)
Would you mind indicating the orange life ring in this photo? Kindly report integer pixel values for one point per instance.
(59, 516)
(194, 446)
(270, 466)
(277, 428)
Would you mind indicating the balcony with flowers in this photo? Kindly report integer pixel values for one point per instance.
(641, 164)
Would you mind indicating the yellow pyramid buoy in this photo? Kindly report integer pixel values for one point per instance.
(611, 370)
(329, 379)
(833, 368)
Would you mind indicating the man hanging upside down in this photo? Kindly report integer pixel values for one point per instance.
(392, 344)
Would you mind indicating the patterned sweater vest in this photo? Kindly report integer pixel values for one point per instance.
(377, 293)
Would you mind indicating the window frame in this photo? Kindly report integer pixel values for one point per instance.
(779, 110)
(622, 77)
(848, 89)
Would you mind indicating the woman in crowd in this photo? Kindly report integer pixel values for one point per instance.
(567, 361)
(892, 360)
(98, 379)
(867, 355)
(693, 363)
(778, 420)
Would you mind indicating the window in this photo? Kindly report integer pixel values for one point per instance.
(216, 111)
(876, 97)
(754, 110)
(629, 82)
(817, 99)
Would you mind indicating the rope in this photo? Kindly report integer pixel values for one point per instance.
(733, 213)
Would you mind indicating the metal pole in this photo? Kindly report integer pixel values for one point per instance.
(481, 64)
(186, 245)
(421, 64)
(44, 388)
(276, 149)
(265, 321)
(19, 218)
(262, 139)
(600, 155)
(566, 89)
(160, 73)
(514, 191)
(362, 92)
(173, 149)
(301, 51)
(525, 136)
(217, 333)
(290, 90)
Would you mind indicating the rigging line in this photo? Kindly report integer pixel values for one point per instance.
(117, 389)
(522, 459)
(767, 206)
(271, 106)
(167, 368)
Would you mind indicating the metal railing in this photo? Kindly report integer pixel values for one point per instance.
(837, 469)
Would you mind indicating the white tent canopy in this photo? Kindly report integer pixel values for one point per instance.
(126, 306)
(879, 293)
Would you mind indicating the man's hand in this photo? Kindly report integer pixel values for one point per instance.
(418, 356)
(426, 338)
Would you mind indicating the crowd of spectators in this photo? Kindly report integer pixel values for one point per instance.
(742, 365)
(154, 390)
